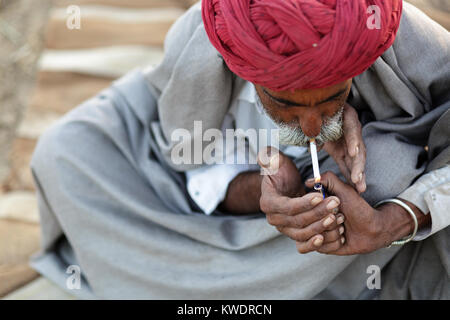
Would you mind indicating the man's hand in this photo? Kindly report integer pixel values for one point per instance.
(368, 229)
(308, 219)
(244, 192)
(363, 224)
(349, 152)
(281, 172)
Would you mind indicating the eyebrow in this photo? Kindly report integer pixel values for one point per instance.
(296, 104)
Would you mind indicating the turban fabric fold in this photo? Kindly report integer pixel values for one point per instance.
(300, 44)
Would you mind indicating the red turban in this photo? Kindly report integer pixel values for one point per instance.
(300, 44)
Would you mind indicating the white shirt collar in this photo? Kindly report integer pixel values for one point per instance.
(248, 93)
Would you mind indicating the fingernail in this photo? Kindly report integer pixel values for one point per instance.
(274, 162)
(263, 161)
(328, 221)
(316, 200)
(332, 204)
(360, 177)
(341, 230)
(340, 220)
(318, 242)
(342, 240)
(356, 150)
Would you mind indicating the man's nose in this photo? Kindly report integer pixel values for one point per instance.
(311, 124)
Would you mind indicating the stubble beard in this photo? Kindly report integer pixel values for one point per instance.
(293, 135)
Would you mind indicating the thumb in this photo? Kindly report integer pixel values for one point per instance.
(332, 183)
(270, 159)
(280, 172)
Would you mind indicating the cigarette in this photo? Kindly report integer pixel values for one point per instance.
(315, 161)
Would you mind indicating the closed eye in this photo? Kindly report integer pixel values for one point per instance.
(287, 104)
(282, 102)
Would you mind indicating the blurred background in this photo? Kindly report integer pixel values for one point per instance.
(47, 67)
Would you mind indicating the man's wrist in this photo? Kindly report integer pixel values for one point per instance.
(243, 194)
(397, 223)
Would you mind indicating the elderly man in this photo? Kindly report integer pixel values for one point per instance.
(116, 201)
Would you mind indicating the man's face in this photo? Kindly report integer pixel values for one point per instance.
(305, 114)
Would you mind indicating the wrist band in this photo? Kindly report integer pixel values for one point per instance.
(413, 216)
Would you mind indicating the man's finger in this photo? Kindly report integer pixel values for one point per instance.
(303, 219)
(358, 165)
(361, 186)
(333, 235)
(323, 226)
(266, 157)
(344, 168)
(333, 184)
(349, 166)
(332, 246)
(278, 220)
(273, 203)
(311, 245)
(304, 204)
(352, 129)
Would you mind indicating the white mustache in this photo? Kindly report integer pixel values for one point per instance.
(331, 131)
